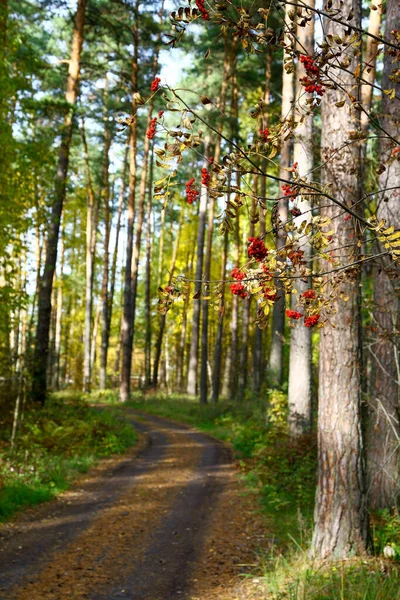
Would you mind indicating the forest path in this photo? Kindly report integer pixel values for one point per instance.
(166, 522)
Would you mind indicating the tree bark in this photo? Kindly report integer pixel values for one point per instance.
(368, 73)
(383, 428)
(341, 521)
(40, 360)
(127, 330)
(299, 396)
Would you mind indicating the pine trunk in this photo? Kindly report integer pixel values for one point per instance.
(383, 428)
(341, 521)
(40, 360)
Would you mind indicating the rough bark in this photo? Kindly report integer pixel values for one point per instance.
(299, 398)
(383, 428)
(341, 523)
(40, 359)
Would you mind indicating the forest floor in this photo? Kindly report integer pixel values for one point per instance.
(168, 520)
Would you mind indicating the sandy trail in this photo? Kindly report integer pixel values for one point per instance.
(138, 529)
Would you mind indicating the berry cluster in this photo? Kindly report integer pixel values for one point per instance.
(311, 321)
(205, 177)
(267, 272)
(237, 289)
(270, 294)
(152, 129)
(160, 114)
(396, 151)
(257, 249)
(309, 295)
(155, 84)
(293, 314)
(264, 134)
(296, 212)
(309, 82)
(238, 274)
(203, 11)
(191, 193)
(347, 217)
(288, 190)
(294, 167)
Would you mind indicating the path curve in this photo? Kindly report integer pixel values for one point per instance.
(133, 532)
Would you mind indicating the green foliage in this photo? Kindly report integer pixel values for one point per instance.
(301, 580)
(386, 533)
(54, 444)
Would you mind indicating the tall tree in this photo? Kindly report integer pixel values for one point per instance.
(127, 330)
(40, 359)
(341, 523)
(383, 430)
(278, 316)
(299, 398)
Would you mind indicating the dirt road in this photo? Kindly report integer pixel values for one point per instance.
(163, 523)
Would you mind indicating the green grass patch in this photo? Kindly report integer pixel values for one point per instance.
(54, 444)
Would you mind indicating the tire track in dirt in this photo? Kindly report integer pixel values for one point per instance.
(142, 539)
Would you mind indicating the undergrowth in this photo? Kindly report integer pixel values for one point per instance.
(54, 444)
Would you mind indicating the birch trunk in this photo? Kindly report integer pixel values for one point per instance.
(299, 397)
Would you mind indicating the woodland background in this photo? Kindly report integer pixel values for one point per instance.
(98, 239)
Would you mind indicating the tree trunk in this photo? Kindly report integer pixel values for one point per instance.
(258, 336)
(278, 314)
(341, 521)
(148, 319)
(194, 344)
(383, 428)
(299, 398)
(117, 236)
(40, 360)
(163, 318)
(127, 331)
(91, 226)
(105, 309)
(368, 73)
(57, 336)
(216, 384)
(228, 55)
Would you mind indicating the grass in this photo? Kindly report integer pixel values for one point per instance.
(54, 445)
